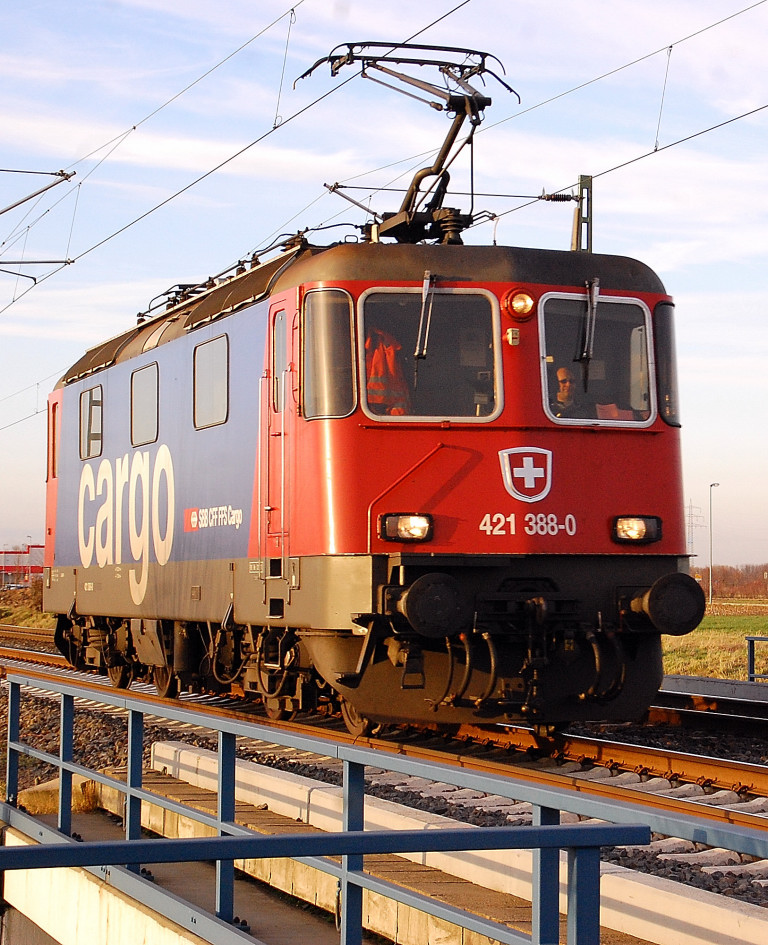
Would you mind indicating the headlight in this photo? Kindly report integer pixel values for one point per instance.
(637, 529)
(398, 526)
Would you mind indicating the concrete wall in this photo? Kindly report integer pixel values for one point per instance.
(74, 908)
(16, 929)
(649, 907)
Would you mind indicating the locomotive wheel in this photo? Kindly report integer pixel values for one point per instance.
(66, 644)
(275, 709)
(356, 723)
(166, 683)
(121, 675)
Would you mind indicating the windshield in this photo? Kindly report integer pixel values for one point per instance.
(595, 360)
(429, 354)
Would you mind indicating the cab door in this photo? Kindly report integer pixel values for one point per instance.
(265, 581)
(278, 399)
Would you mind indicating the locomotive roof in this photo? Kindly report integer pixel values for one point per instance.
(371, 263)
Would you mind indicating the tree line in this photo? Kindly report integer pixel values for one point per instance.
(749, 580)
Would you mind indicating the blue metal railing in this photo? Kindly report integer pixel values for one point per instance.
(546, 837)
(752, 676)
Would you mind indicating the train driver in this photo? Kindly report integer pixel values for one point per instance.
(565, 404)
(386, 387)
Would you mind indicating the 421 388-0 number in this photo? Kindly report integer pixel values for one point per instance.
(541, 523)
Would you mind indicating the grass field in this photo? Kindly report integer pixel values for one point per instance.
(22, 608)
(717, 647)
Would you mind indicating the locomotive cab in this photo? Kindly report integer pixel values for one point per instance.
(532, 561)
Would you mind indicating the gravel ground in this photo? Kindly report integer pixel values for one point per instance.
(101, 742)
(101, 738)
(738, 748)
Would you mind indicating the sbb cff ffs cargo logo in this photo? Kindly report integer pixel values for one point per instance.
(527, 472)
(213, 517)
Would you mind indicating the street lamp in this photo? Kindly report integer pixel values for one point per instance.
(712, 485)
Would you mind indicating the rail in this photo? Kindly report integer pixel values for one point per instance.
(39, 634)
(752, 676)
(118, 861)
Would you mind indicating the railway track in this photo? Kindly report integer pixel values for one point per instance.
(677, 784)
(681, 701)
(602, 763)
(32, 634)
(686, 699)
(599, 764)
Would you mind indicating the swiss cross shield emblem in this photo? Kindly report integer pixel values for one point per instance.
(527, 472)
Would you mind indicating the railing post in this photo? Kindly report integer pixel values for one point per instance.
(751, 659)
(545, 902)
(132, 802)
(12, 759)
(66, 753)
(225, 869)
(354, 819)
(584, 896)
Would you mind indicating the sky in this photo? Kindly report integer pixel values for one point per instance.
(192, 149)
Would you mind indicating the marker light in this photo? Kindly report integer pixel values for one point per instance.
(637, 529)
(518, 305)
(397, 526)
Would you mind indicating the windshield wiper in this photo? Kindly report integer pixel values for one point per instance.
(425, 323)
(587, 341)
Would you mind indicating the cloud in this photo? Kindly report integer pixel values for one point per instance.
(81, 313)
(76, 77)
(183, 157)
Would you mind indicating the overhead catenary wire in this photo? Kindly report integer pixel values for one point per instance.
(322, 194)
(226, 161)
(486, 128)
(242, 150)
(213, 170)
(30, 387)
(647, 154)
(576, 88)
(290, 13)
(35, 413)
(663, 93)
(117, 140)
(291, 20)
(668, 49)
(208, 173)
(627, 65)
(19, 231)
(17, 203)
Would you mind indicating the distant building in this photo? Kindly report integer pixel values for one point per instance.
(20, 565)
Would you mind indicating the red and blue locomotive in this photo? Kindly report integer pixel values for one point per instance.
(415, 480)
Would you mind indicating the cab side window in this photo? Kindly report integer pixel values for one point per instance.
(666, 373)
(91, 412)
(144, 405)
(53, 441)
(328, 375)
(279, 361)
(211, 383)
